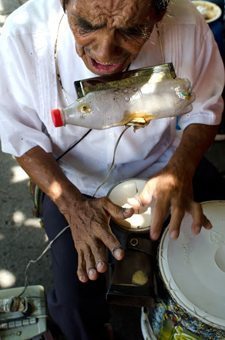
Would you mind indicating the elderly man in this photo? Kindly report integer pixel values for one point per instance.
(45, 47)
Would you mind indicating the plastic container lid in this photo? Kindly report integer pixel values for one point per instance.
(193, 266)
(57, 117)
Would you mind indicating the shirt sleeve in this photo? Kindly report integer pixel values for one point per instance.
(206, 72)
(20, 125)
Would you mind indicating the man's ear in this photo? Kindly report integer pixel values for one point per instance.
(64, 4)
(160, 15)
(156, 15)
(161, 7)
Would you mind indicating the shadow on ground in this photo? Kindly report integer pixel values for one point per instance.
(21, 237)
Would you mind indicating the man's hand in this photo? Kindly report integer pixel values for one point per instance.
(170, 191)
(89, 223)
(88, 218)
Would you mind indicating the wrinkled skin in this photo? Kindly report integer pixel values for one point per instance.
(92, 234)
(88, 218)
(109, 34)
(170, 191)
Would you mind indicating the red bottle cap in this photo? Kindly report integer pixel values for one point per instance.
(57, 117)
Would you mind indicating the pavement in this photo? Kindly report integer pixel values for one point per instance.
(22, 238)
(7, 7)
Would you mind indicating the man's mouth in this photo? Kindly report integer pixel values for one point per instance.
(107, 67)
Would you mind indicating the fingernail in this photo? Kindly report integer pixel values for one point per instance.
(83, 279)
(118, 253)
(91, 272)
(174, 234)
(100, 265)
(208, 226)
(197, 230)
(154, 236)
(127, 212)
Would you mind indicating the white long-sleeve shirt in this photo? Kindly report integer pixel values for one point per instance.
(29, 90)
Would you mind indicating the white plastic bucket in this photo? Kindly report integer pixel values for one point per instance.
(192, 269)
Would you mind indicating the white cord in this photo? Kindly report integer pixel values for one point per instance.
(39, 257)
(64, 229)
(113, 161)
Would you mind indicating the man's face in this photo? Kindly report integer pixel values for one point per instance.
(110, 33)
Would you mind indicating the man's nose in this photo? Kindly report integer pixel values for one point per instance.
(106, 47)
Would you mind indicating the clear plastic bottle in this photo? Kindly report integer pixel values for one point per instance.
(131, 106)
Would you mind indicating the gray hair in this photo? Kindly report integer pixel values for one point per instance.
(160, 5)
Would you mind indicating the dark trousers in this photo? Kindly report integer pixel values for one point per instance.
(80, 309)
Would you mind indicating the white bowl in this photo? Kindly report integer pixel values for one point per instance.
(210, 11)
(119, 195)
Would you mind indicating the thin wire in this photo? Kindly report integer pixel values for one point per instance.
(64, 92)
(160, 43)
(39, 257)
(73, 145)
(113, 161)
(64, 229)
(58, 76)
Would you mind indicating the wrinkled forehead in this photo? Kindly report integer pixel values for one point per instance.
(115, 13)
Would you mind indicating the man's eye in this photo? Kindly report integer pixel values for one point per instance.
(86, 28)
(139, 31)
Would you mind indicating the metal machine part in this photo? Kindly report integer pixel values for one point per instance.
(124, 79)
(22, 317)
